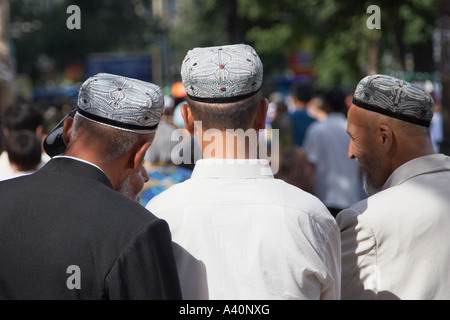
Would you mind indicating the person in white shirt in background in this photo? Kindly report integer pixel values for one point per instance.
(338, 182)
(395, 243)
(238, 232)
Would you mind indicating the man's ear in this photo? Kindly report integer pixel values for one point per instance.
(139, 156)
(188, 118)
(261, 115)
(386, 138)
(67, 130)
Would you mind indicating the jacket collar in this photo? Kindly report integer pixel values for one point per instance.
(417, 167)
(75, 166)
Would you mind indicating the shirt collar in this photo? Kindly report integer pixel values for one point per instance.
(416, 167)
(232, 169)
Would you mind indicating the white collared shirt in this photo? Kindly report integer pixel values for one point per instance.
(241, 234)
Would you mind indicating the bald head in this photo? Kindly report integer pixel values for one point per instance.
(381, 144)
(372, 120)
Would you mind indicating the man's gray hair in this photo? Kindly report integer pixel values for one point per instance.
(115, 142)
(223, 116)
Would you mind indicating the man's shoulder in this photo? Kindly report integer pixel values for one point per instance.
(292, 195)
(172, 196)
(298, 204)
(371, 211)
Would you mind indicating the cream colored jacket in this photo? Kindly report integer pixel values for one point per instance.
(396, 243)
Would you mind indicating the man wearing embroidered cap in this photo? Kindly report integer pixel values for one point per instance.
(243, 234)
(393, 243)
(75, 236)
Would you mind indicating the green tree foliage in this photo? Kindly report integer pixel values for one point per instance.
(106, 25)
(334, 30)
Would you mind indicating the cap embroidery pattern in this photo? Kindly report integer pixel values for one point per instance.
(395, 98)
(132, 102)
(222, 72)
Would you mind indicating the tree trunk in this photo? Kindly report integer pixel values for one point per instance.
(373, 57)
(232, 23)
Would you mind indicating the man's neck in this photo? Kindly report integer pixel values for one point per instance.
(231, 144)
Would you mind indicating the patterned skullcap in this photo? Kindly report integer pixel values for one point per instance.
(395, 98)
(222, 74)
(120, 102)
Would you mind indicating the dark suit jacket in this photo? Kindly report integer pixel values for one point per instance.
(66, 234)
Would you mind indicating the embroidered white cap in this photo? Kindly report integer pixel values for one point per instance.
(222, 74)
(116, 101)
(121, 102)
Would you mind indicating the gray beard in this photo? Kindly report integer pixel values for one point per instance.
(127, 189)
(369, 186)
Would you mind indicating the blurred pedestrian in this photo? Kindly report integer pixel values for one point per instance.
(256, 237)
(338, 182)
(24, 152)
(294, 167)
(301, 119)
(394, 243)
(73, 236)
(17, 117)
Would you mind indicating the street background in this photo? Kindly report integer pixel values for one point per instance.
(324, 42)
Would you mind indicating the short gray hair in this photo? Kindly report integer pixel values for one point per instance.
(115, 142)
(223, 116)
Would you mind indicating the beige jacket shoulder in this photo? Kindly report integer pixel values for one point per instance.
(396, 243)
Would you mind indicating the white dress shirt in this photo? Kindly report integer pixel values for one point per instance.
(338, 182)
(396, 243)
(241, 234)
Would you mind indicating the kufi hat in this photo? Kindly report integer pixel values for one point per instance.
(115, 101)
(222, 74)
(395, 98)
(121, 102)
